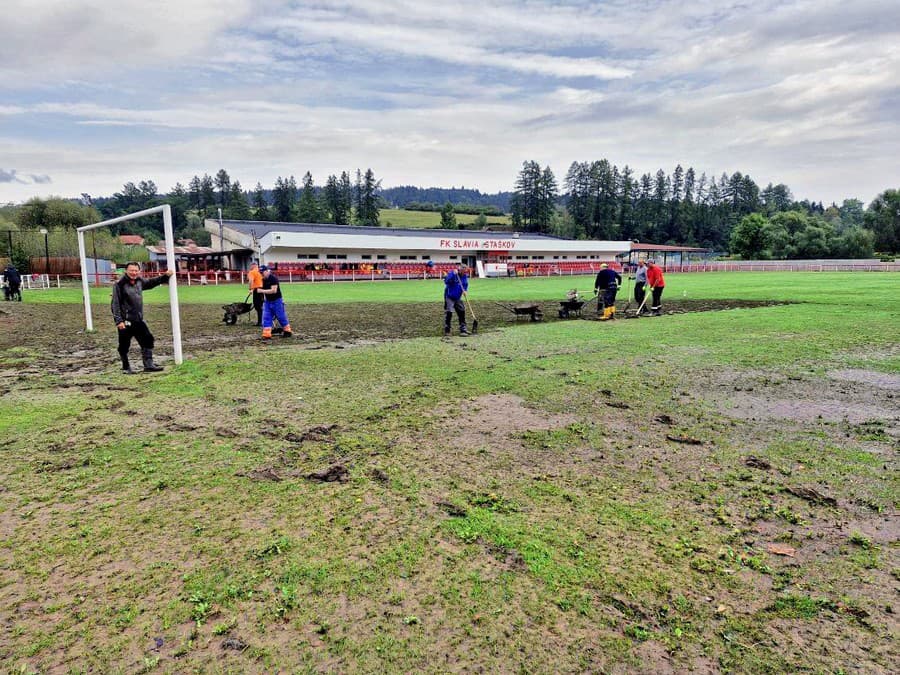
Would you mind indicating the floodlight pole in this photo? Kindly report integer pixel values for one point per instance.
(166, 211)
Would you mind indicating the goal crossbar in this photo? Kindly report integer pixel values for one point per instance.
(166, 211)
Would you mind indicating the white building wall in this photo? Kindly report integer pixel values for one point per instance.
(294, 246)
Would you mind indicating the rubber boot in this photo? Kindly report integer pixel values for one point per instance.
(612, 312)
(267, 333)
(287, 332)
(126, 366)
(606, 314)
(149, 366)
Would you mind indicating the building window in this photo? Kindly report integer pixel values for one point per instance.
(382, 257)
(521, 257)
(426, 257)
(366, 257)
(336, 256)
(307, 256)
(537, 257)
(454, 257)
(407, 257)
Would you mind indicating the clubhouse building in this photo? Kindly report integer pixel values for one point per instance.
(314, 247)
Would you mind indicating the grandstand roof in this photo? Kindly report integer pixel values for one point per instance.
(260, 228)
(665, 247)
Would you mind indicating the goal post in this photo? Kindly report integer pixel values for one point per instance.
(166, 211)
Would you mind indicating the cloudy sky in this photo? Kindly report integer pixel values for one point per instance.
(94, 93)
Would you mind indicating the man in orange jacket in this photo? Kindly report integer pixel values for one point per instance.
(657, 283)
(254, 276)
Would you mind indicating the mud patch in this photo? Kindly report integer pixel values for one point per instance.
(753, 407)
(70, 351)
(496, 417)
(870, 377)
(852, 400)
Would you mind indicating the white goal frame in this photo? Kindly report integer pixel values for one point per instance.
(166, 211)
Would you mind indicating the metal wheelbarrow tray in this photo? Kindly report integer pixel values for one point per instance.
(530, 310)
(569, 308)
(234, 310)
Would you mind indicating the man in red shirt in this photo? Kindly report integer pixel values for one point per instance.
(657, 283)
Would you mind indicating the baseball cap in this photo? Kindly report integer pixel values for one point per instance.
(263, 268)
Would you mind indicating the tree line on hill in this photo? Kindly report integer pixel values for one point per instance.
(597, 201)
(600, 201)
(469, 209)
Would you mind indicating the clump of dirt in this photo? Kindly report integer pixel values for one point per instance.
(337, 473)
(264, 473)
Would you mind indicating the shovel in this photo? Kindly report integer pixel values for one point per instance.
(641, 308)
(474, 318)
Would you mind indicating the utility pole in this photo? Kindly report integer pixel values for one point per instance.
(44, 231)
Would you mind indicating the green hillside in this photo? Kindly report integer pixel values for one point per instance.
(431, 219)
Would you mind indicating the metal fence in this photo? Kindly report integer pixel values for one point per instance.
(872, 265)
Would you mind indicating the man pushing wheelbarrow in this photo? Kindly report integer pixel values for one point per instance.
(273, 307)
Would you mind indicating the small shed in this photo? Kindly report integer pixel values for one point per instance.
(668, 256)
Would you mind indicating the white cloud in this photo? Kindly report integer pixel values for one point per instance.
(53, 39)
(450, 93)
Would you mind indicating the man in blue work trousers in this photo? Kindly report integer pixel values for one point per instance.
(456, 283)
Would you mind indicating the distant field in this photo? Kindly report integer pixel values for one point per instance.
(429, 219)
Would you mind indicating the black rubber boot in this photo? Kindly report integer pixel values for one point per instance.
(126, 366)
(149, 366)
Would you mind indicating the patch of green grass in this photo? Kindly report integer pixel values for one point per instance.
(800, 606)
(430, 219)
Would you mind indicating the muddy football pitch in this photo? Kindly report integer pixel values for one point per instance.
(712, 490)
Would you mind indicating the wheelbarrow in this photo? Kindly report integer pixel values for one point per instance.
(531, 310)
(235, 309)
(571, 307)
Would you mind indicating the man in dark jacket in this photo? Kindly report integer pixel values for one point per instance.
(456, 284)
(12, 288)
(128, 313)
(607, 283)
(273, 308)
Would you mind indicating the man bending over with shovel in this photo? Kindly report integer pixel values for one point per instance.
(456, 283)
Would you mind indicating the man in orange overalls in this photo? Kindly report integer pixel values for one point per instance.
(254, 276)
